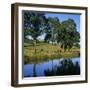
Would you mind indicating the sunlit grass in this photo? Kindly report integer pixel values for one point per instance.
(43, 51)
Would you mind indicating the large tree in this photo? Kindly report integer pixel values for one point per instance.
(34, 24)
(68, 34)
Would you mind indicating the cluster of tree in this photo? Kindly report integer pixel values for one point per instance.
(64, 33)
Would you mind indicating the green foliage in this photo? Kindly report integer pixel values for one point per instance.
(54, 26)
(68, 34)
(64, 33)
(34, 24)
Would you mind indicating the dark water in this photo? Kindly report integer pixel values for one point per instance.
(55, 67)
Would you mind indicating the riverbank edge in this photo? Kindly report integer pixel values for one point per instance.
(38, 57)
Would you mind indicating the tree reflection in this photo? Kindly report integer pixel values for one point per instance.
(65, 67)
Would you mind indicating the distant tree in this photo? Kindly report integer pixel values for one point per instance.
(53, 27)
(68, 34)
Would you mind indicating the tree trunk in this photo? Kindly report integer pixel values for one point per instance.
(63, 48)
(34, 70)
(34, 44)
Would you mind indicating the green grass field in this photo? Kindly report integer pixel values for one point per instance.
(44, 51)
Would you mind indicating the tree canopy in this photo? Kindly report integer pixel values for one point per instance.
(65, 32)
(54, 26)
(68, 34)
(34, 24)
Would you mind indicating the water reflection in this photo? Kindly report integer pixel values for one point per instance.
(56, 67)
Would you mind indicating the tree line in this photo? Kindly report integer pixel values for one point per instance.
(63, 33)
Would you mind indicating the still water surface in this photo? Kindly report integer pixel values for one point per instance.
(53, 67)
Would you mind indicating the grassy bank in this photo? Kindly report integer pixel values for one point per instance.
(44, 51)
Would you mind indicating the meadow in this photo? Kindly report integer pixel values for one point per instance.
(43, 51)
